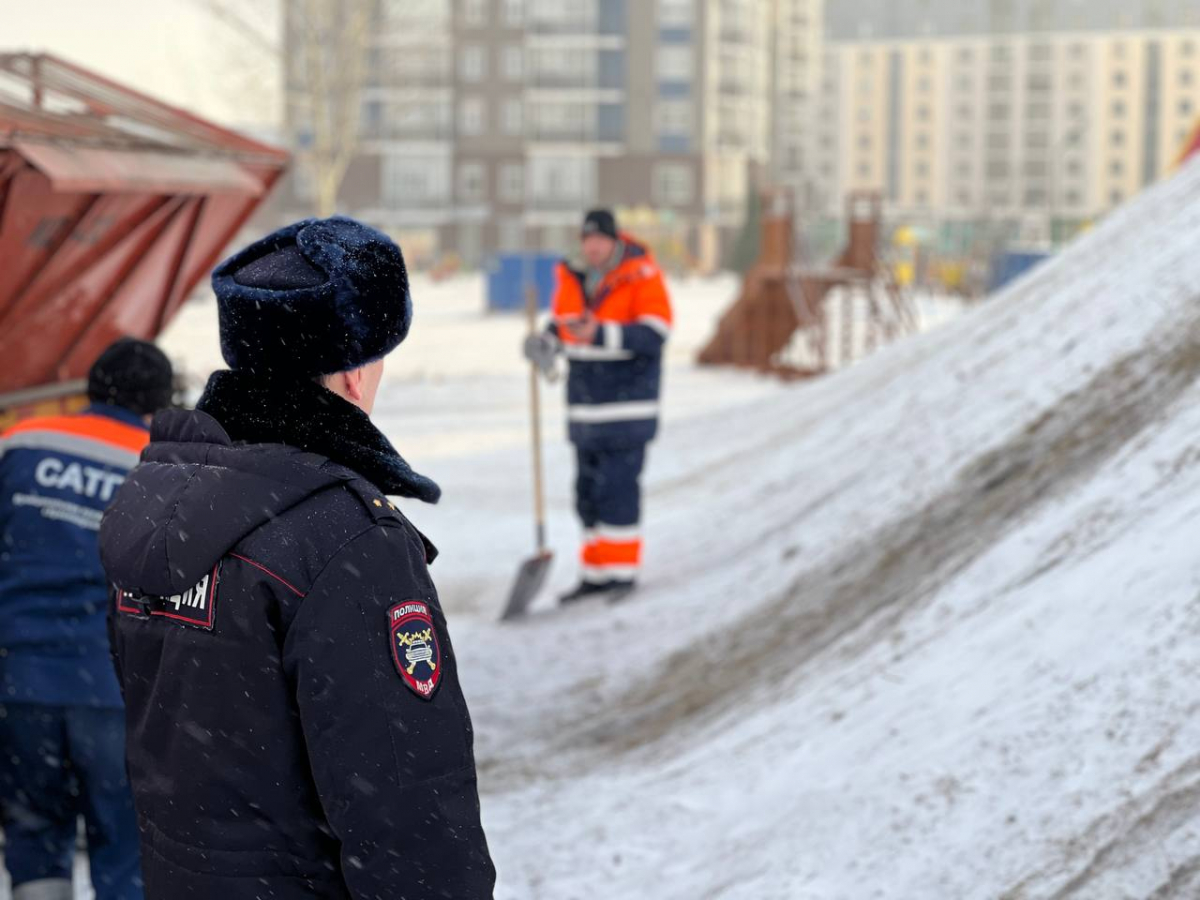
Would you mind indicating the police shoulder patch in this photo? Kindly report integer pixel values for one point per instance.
(416, 650)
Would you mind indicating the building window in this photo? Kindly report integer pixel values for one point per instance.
(1117, 168)
(514, 13)
(675, 63)
(1186, 107)
(1186, 77)
(864, 114)
(560, 180)
(1116, 198)
(471, 119)
(472, 63)
(514, 63)
(475, 12)
(674, 117)
(512, 117)
(1118, 138)
(511, 186)
(673, 184)
(1118, 109)
(416, 180)
(675, 13)
(864, 170)
(1187, 49)
(472, 181)
(864, 142)
(1120, 79)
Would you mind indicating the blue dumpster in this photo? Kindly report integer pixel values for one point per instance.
(510, 273)
(1008, 267)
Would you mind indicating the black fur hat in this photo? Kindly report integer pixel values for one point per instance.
(316, 297)
(134, 375)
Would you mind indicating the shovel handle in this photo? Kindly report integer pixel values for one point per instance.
(535, 409)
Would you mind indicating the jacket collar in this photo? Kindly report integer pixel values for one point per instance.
(119, 413)
(303, 414)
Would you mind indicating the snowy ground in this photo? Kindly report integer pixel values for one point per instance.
(923, 630)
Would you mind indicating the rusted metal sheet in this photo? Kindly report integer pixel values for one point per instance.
(83, 170)
(113, 207)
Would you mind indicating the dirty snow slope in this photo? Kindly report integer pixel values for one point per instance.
(926, 629)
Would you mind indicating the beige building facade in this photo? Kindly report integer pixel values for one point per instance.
(1041, 131)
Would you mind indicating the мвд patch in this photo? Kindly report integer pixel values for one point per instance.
(415, 647)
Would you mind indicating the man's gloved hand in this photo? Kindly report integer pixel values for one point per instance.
(542, 350)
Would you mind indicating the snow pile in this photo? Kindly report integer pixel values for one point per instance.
(925, 629)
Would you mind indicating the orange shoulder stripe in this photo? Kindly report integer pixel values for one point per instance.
(96, 428)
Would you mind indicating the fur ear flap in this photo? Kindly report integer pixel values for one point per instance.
(316, 297)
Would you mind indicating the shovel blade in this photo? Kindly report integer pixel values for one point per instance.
(530, 578)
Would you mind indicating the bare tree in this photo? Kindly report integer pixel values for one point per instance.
(323, 52)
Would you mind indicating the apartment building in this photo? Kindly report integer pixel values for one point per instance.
(1032, 128)
(492, 124)
(798, 42)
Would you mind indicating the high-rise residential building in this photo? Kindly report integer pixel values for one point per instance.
(798, 41)
(1033, 117)
(493, 124)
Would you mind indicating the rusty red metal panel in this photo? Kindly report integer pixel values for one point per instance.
(41, 334)
(133, 306)
(113, 207)
(88, 170)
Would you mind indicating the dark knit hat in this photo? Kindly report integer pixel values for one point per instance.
(134, 375)
(316, 297)
(600, 221)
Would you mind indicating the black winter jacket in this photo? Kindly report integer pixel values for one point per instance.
(295, 722)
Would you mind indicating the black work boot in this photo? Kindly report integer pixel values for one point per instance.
(586, 590)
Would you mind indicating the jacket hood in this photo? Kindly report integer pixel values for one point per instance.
(194, 497)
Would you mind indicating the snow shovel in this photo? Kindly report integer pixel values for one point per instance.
(532, 574)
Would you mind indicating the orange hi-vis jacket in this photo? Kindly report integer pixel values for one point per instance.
(614, 382)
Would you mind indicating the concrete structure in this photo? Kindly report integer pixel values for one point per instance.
(492, 124)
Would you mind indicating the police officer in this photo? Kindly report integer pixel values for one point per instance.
(611, 318)
(62, 731)
(296, 725)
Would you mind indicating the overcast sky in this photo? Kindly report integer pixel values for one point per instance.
(171, 49)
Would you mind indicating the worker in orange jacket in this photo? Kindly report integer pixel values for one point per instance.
(611, 319)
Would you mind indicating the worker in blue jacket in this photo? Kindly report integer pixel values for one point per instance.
(62, 734)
